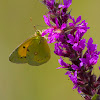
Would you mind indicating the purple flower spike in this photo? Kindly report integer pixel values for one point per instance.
(69, 43)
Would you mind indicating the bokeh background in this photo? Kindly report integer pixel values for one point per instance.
(45, 82)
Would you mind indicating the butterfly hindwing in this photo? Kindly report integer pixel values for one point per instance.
(39, 51)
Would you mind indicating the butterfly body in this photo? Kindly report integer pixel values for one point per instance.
(34, 51)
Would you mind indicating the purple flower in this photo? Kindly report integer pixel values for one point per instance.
(62, 49)
(54, 31)
(47, 20)
(78, 44)
(91, 47)
(49, 3)
(58, 49)
(75, 67)
(91, 56)
(74, 22)
(62, 63)
(72, 77)
(80, 28)
(67, 3)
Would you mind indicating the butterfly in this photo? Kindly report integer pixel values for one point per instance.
(34, 51)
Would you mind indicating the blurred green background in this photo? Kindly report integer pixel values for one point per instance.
(45, 82)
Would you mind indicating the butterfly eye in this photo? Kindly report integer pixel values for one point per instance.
(38, 33)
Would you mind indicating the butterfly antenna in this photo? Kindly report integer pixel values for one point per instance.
(32, 24)
(35, 28)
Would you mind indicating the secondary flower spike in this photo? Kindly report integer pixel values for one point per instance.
(69, 43)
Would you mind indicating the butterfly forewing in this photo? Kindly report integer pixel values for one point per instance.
(19, 54)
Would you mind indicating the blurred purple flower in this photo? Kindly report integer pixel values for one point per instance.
(99, 67)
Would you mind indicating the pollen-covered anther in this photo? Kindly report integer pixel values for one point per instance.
(58, 31)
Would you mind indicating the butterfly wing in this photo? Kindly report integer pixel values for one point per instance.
(39, 51)
(19, 54)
